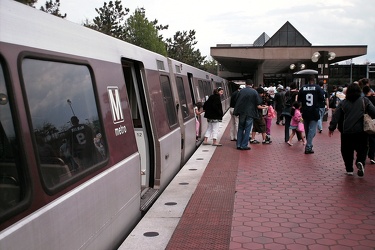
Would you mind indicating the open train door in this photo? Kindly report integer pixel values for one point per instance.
(133, 74)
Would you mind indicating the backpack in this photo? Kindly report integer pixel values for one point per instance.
(332, 101)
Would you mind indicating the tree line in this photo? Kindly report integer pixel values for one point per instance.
(138, 30)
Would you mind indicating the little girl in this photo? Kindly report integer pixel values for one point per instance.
(296, 124)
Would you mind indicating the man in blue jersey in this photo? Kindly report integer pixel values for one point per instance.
(310, 96)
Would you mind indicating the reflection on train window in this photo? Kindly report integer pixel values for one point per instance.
(202, 97)
(65, 119)
(182, 97)
(11, 186)
(168, 100)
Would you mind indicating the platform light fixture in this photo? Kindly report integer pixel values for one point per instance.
(317, 55)
(300, 66)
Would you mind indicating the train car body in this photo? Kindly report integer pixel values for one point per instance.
(92, 129)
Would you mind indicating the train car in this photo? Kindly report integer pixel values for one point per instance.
(92, 129)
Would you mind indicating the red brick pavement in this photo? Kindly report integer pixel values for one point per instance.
(276, 197)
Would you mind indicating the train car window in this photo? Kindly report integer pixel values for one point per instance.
(182, 97)
(68, 136)
(168, 100)
(12, 187)
(207, 89)
(202, 97)
(160, 65)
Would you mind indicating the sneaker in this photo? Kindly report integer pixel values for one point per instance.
(268, 138)
(349, 173)
(309, 151)
(254, 142)
(372, 161)
(361, 169)
(266, 142)
(289, 143)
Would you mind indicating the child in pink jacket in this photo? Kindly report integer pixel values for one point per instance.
(296, 124)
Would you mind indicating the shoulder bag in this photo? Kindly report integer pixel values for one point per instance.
(368, 122)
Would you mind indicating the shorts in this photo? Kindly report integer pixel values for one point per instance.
(259, 125)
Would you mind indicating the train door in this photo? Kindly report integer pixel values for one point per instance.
(143, 133)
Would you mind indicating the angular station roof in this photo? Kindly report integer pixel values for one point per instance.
(275, 54)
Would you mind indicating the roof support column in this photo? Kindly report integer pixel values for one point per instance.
(259, 74)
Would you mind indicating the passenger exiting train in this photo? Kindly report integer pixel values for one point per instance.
(214, 114)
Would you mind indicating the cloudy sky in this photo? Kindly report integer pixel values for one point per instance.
(321, 22)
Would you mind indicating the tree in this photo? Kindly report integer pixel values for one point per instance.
(53, 8)
(144, 33)
(110, 20)
(210, 66)
(182, 49)
(27, 2)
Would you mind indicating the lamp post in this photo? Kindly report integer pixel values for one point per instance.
(293, 67)
(70, 104)
(322, 58)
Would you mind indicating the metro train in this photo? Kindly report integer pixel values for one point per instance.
(92, 130)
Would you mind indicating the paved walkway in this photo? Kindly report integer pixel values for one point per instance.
(276, 197)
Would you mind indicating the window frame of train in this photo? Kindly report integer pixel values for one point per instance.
(56, 90)
(207, 89)
(15, 191)
(182, 98)
(168, 100)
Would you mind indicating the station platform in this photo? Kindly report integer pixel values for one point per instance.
(270, 197)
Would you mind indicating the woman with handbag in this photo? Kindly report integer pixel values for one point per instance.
(348, 118)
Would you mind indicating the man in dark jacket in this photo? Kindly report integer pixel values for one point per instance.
(246, 108)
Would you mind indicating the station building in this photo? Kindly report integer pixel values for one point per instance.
(278, 58)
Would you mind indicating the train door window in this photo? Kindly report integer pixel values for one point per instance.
(12, 186)
(68, 136)
(207, 89)
(168, 100)
(201, 95)
(182, 97)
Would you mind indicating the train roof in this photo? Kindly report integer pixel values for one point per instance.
(23, 25)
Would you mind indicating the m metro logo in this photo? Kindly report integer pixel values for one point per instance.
(114, 99)
(117, 114)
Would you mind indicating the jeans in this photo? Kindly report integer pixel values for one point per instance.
(287, 125)
(310, 130)
(320, 121)
(244, 126)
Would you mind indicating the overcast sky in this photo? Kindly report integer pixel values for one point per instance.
(321, 22)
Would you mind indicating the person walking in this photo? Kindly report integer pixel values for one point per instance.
(214, 114)
(348, 118)
(322, 107)
(290, 97)
(233, 118)
(247, 109)
(260, 122)
(369, 94)
(310, 96)
(279, 103)
(296, 124)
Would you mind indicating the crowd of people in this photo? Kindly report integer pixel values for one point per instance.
(301, 111)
